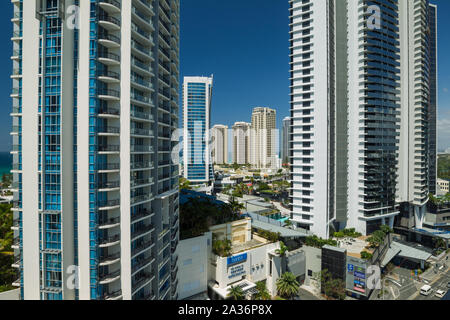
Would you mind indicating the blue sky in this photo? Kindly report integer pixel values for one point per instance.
(245, 45)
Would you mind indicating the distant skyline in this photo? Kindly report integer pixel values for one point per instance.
(245, 44)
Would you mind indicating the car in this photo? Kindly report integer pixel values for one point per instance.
(448, 285)
(426, 290)
(440, 293)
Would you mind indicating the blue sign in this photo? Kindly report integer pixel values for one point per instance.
(237, 259)
(350, 268)
(359, 275)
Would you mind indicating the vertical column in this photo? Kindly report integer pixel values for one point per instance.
(83, 151)
(125, 158)
(30, 193)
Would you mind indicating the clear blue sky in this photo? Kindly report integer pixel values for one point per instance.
(244, 43)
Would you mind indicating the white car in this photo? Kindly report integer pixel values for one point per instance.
(426, 290)
(440, 293)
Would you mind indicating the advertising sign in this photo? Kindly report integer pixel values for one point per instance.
(350, 268)
(236, 259)
(236, 271)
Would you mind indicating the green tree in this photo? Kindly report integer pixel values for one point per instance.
(7, 273)
(222, 248)
(236, 293)
(366, 255)
(333, 288)
(283, 250)
(376, 239)
(235, 206)
(316, 242)
(185, 184)
(263, 293)
(287, 285)
(386, 229)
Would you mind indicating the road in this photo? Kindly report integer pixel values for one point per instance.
(439, 284)
(406, 287)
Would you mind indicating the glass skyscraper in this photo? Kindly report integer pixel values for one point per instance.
(95, 84)
(197, 161)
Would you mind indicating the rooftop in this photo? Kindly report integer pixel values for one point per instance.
(254, 243)
(285, 232)
(354, 246)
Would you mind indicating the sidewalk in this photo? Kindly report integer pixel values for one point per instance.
(312, 290)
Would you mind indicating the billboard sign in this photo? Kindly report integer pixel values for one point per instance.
(231, 261)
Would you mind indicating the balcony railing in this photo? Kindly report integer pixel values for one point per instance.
(107, 222)
(115, 294)
(110, 239)
(142, 262)
(109, 203)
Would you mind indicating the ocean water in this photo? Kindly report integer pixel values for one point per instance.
(5, 163)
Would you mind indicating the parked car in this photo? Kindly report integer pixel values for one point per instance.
(440, 293)
(448, 285)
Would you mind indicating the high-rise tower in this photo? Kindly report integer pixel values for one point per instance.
(95, 84)
(197, 96)
(360, 100)
(219, 150)
(241, 142)
(264, 138)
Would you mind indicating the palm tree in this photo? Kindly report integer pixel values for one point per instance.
(235, 206)
(263, 293)
(236, 293)
(287, 285)
(283, 250)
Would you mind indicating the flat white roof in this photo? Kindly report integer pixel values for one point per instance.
(244, 284)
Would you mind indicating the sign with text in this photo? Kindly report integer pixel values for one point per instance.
(236, 259)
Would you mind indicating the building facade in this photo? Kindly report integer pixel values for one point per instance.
(241, 142)
(285, 137)
(264, 138)
(312, 143)
(219, 144)
(417, 131)
(95, 189)
(433, 109)
(197, 95)
(359, 110)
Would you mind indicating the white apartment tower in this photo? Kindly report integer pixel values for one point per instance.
(417, 168)
(241, 142)
(219, 142)
(359, 103)
(94, 106)
(264, 138)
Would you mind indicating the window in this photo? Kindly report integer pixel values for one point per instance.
(187, 262)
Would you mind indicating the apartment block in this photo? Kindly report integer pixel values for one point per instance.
(94, 109)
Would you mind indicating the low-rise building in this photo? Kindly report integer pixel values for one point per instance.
(193, 269)
(443, 187)
(251, 259)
